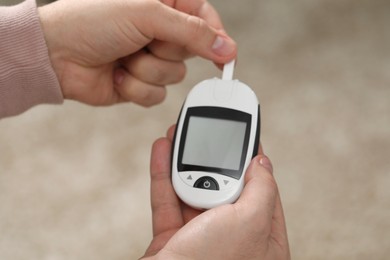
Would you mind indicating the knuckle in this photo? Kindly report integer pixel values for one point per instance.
(167, 73)
(182, 71)
(196, 26)
(157, 75)
(152, 97)
(151, 6)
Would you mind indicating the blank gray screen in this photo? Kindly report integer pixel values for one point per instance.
(214, 142)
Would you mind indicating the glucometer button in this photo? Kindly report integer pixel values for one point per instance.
(206, 183)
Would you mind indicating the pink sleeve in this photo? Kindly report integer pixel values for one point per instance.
(26, 75)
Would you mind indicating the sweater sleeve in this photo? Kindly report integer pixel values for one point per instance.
(26, 75)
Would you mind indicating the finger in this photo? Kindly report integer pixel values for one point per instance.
(200, 8)
(278, 216)
(188, 212)
(171, 132)
(189, 31)
(169, 51)
(266, 163)
(139, 92)
(278, 225)
(166, 209)
(207, 12)
(260, 204)
(278, 228)
(258, 199)
(260, 150)
(153, 70)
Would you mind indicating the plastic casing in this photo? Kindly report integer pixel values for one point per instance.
(215, 92)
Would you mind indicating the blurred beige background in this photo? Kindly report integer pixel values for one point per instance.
(74, 179)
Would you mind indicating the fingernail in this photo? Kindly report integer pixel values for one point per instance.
(119, 76)
(266, 163)
(223, 46)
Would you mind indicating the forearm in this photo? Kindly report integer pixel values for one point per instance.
(26, 75)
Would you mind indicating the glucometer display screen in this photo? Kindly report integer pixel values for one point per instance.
(214, 142)
(214, 139)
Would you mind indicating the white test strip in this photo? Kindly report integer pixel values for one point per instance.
(228, 70)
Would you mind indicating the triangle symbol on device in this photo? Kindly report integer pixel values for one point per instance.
(189, 177)
(226, 182)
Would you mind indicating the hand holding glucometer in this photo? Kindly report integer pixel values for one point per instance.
(217, 135)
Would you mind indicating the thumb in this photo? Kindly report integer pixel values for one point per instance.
(260, 192)
(170, 25)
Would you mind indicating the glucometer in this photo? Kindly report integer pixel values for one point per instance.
(217, 135)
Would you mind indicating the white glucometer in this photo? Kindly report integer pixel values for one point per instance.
(217, 135)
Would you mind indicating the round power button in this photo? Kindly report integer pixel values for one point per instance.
(206, 183)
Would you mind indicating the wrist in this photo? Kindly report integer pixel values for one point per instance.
(50, 28)
(26, 75)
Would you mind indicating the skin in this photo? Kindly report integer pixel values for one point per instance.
(252, 228)
(106, 52)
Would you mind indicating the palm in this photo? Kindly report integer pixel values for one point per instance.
(181, 215)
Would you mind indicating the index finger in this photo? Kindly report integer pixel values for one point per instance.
(200, 8)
